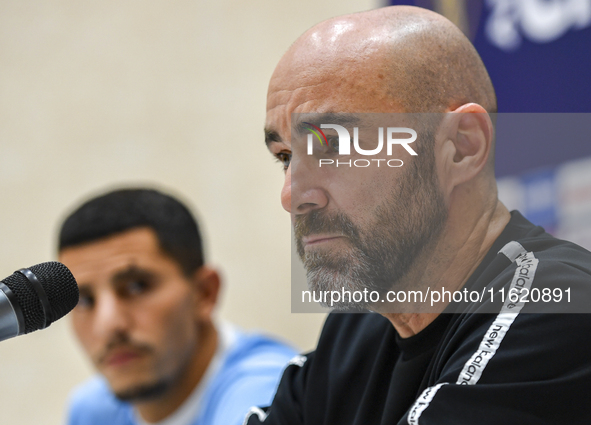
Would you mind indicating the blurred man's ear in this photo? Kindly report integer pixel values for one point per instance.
(206, 281)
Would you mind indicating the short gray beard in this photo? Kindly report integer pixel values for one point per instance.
(351, 276)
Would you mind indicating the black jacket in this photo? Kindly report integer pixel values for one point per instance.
(487, 363)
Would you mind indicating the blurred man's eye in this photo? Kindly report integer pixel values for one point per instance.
(136, 287)
(134, 281)
(85, 301)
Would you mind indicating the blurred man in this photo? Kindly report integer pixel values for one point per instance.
(145, 320)
(430, 224)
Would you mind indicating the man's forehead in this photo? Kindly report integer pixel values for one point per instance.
(349, 88)
(112, 254)
(291, 89)
(311, 74)
(103, 269)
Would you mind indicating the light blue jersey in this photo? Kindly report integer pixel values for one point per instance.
(247, 374)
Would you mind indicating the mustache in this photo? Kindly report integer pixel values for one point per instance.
(321, 222)
(123, 341)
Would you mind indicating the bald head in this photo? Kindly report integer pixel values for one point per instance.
(400, 59)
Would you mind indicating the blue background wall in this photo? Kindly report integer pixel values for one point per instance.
(538, 55)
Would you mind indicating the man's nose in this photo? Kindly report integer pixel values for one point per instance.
(286, 191)
(111, 316)
(303, 189)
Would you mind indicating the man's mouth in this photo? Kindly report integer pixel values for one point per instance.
(121, 357)
(315, 240)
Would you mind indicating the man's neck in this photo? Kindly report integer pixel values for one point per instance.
(458, 253)
(153, 411)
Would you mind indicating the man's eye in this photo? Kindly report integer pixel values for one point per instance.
(85, 301)
(136, 287)
(284, 158)
(333, 143)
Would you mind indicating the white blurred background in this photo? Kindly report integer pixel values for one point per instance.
(101, 94)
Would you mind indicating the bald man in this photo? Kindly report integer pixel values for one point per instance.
(433, 222)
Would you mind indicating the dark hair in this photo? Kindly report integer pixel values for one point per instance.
(125, 209)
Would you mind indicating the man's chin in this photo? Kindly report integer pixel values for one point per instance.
(142, 392)
(337, 295)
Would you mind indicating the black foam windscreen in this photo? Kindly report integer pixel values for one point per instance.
(57, 283)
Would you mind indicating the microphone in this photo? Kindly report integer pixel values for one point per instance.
(33, 298)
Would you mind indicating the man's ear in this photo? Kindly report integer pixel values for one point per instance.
(466, 150)
(206, 281)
